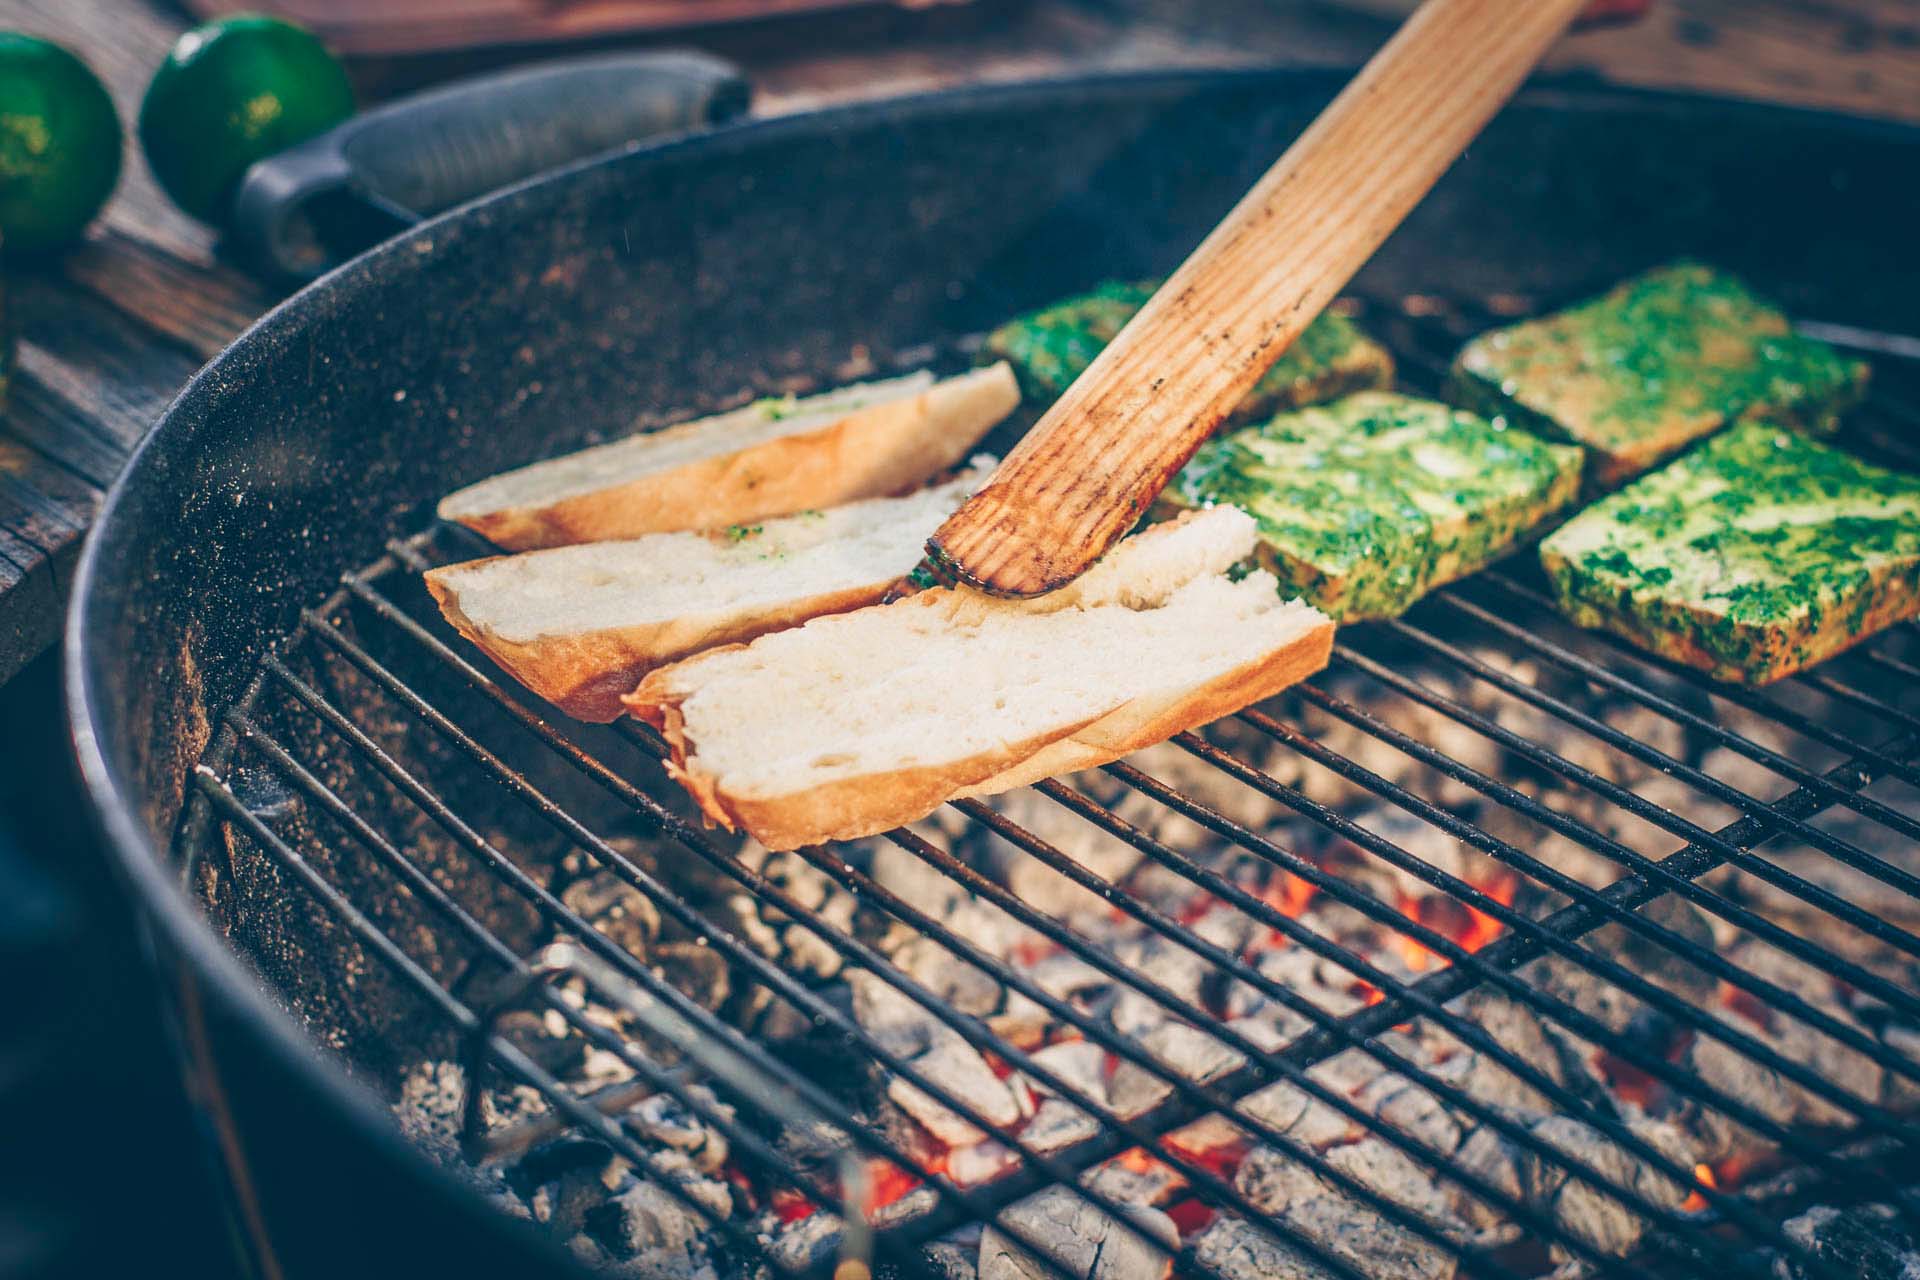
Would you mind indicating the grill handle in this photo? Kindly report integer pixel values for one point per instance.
(312, 206)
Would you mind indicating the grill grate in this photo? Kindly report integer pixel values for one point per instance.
(372, 721)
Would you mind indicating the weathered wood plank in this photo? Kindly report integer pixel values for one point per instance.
(30, 606)
(202, 307)
(114, 368)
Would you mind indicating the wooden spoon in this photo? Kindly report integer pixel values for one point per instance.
(1096, 459)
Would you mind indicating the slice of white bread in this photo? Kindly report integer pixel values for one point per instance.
(855, 723)
(770, 458)
(580, 625)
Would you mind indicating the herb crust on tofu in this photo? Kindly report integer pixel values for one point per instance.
(1051, 347)
(1652, 365)
(1368, 503)
(1759, 554)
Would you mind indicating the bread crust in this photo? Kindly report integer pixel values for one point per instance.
(586, 674)
(864, 806)
(876, 451)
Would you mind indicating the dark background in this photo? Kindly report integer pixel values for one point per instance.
(104, 1173)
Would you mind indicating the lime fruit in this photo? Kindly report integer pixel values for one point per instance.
(231, 92)
(59, 145)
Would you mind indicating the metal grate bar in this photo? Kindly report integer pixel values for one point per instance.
(1753, 807)
(822, 1012)
(1722, 850)
(968, 1028)
(505, 1052)
(1689, 1238)
(1482, 972)
(1335, 1026)
(1522, 926)
(1747, 699)
(1197, 1097)
(1566, 660)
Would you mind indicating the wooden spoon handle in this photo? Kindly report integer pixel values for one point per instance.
(1095, 460)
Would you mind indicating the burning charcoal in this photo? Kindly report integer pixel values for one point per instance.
(957, 1067)
(1228, 928)
(982, 1162)
(1082, 1239)
(1178, 970)
(1136, 1178)
(432, 1096)
(566, 1179)
(1515, 1027)
(1869, 1241)
(1898, 1091)
(1498, 1161)
(1021, 1022)
(656, 1233)
(952, 1260)
(1058, 1124)
(1843, 1067)
(921, 886)
(805, 1244)
(1203, 783)
(1289, 1109)
(807, 950)
(1039, 885)
(1186, 1051)
(664, 1119)
(1065, 976)
(1584, 1211)
(1411, 1110)
(1395, 1175)
(950, 979)
(1238, 1250)
(1274, 1181)
(699, 971)
(560, 1055)
(1080, 1063)
(615, 908)
(1183, 1051)
(1271, 1029)
(914, 1203)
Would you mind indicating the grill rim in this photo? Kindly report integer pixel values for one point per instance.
(91, 677)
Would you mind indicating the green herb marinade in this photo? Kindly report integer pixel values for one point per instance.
(1660, 360)
(1759, 553)
(1368, 503)
(1051, 347)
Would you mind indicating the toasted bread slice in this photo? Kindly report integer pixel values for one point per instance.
(853, 724)
(1757, 555)
(580, 625)
(770, 458)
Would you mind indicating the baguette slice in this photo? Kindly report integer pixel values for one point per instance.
(580, 625)
(770, 458)
(853, 724)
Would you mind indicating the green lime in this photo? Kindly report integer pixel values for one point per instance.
(232, 92)
(59, 144)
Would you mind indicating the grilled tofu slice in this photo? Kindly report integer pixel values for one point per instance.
(1051, 347)
(1759, 554)
(1366, 504)
(1654, 364)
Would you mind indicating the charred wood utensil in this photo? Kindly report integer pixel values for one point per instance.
(1094, 462)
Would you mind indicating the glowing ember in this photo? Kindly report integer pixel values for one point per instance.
(1747, 1005)
(1695, 1202)
(790, 1206)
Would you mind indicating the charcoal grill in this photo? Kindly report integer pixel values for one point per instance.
(1705, 892)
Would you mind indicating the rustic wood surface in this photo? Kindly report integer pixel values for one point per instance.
(109, 331)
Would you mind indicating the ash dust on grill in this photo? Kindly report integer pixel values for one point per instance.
(1515, 1135)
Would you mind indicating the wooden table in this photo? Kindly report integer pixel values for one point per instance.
(109, 331)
